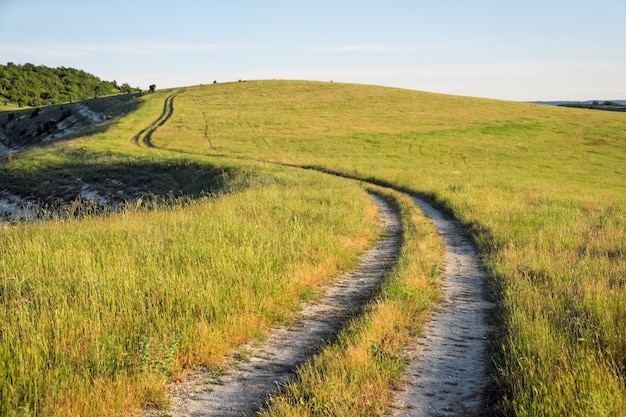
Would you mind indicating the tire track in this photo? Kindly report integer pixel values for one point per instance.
(448, 375)
(448, 372)
(200, 105)
(145, 135)
(244, 388)
(206, 130)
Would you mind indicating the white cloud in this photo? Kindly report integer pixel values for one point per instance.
(66, 50)
(389, 48)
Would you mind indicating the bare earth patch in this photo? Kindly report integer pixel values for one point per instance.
(21, 129)
(448, 375)
(257, 370)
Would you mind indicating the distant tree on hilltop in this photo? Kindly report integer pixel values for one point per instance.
(33, 85)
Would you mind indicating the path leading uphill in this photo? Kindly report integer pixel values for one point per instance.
(243, 389)
(145, 136)
(448, 373)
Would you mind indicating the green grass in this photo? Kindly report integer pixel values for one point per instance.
(7, 105)
(139, 295)
(10, 107)
(355, 376)
(541, 189)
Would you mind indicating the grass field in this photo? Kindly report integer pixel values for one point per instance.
(541, 188)
(99, 305)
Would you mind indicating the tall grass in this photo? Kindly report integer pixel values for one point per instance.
(541, 188)
(355, 377)
(97, 313)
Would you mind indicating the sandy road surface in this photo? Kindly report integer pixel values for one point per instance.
(448, 375)
(448, 371)
(242, 390)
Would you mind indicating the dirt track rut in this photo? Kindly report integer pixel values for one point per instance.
(145, 136)
(242, 390)
(449, 373)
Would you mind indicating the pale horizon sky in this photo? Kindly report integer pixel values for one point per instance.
(511, 50)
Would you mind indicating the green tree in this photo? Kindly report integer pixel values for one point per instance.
(33, 85)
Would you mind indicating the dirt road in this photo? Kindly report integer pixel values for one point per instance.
(448, 375)
(448, 371)
(145, 135)
(256, 370)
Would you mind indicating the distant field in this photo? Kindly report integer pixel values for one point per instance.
(541, 188)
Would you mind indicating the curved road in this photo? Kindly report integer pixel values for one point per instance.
(448, 374)
(145, 135)
(448, 371)
(245, 386)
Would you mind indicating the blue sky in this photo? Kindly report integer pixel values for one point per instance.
(512, 50)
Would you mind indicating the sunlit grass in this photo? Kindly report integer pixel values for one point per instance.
(97, 311)
(542, 189)
(355, 377)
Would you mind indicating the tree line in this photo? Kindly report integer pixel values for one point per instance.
(38, 85)
(597, 105)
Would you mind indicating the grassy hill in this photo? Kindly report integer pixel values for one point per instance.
(541, 188)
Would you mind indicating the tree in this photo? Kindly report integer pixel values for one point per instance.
(36, 85)
(152, 88)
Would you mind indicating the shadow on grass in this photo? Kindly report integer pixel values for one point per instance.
(103, 183)
(31, 127)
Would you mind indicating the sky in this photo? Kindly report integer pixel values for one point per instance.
(530, 50)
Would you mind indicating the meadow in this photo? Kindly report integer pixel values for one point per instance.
(95, 306)
(540, 188)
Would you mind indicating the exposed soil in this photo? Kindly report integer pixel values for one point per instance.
(88, 184)
(448, 375)
(21, 129)
(258, 369)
